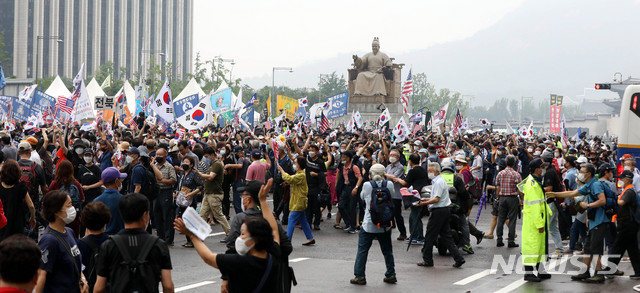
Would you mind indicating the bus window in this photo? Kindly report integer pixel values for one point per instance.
(635, 104)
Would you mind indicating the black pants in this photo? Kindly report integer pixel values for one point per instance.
(509, 209)
(313, 207)
(277, 199)
(347, 206)
(397, 216)
(439, 226)
(226, 197)
(626, 240)
(164, 215)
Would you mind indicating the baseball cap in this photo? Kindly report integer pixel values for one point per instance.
(253, 188)
(110, 174)
(582, 160)
(134, 150)
(88, 151)
(537, 163)
(256, 154)
(604, 167)
(237, 148)
(335, 144)
(24, 146)
(626, 174)
(32, 140)
(423, 150)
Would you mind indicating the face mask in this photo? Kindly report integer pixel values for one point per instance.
(241, 245)
(536, 153)
(342, 150)
(88, 160)
(431, 175)
(581, 177)
(119, 186)
(458, 167)
(499, 153)
(71, 215)
(223, 152)
(312, 154)
(79, 150)
(544, 171)
(344, 162)
(557, 155)
(393, 160)
(627, 168)
(159, 160)
(185, 167)
(295, 168)
(129, 159)
(530, 150)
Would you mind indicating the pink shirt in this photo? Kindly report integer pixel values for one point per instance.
(257, 171)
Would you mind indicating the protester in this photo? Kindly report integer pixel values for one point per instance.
(298, 201)
(15, 200)
(19, 261)
(64, 180)
(112, 179)
(95, 217)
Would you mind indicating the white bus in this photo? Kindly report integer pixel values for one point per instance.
(629, 134)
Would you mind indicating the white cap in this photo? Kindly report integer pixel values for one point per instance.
(335, 144)
(582, 160)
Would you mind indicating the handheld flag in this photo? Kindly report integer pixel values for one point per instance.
(439, 117)
(401, 131)
(3, 82)
(252, 101)
(324, 123)
(303, 102)
(384, 118)
(407, 90)
(416, 117)
(162, 105)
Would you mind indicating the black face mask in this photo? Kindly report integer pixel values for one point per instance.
(159, 160)
(185, 167)
(51, 148)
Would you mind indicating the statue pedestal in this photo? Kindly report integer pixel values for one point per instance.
(370, 114)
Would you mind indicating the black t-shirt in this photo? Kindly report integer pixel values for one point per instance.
(418, 178)
(15, 209)
(88, 176)
(551, 178)
(625, 212)
(317, 166)
(246, 271)
(110, 257)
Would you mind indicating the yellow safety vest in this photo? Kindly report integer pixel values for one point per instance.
(448, 177)
(535, 215)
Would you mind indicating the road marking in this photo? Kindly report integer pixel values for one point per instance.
(512, 286)
(193, 286)
(298, 259)
(475, 277)
(216, 234)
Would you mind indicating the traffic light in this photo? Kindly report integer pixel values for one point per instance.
(603, 86)
(634, 107)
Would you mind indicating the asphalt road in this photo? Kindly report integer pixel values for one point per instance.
(328, 267)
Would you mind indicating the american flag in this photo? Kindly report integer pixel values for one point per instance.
(134, 125)
(407, 90)
(324, 123)
(181, 131)
(65, 104)
(457, 124)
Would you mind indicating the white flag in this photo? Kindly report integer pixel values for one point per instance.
(82, 108)
(401, 131)
(162, 105)
(27, 92)
(439, 117)
(510, 129)
(384, 117)
(199, 116)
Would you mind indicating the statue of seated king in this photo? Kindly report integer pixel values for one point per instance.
(372, 68)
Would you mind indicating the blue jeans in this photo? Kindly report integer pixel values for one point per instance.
(164, 214)
(365, 240)
(295, 218)
(554, 228)
(577, 228)
(237, 200)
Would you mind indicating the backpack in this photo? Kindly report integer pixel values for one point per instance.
(133, 275)
(611, 207)
(90, 270)
(150, 188)
(381, 208)
(29, 179)
(74, 194)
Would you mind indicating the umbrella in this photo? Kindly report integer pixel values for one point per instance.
(483, 203)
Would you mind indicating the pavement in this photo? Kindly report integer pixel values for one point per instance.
(328, 266)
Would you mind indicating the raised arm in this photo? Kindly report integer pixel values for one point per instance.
(266, 210)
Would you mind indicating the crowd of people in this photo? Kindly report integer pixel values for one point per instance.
(101, 202)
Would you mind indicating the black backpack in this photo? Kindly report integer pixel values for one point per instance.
(150, 188)
(133, 275)
(381, 208)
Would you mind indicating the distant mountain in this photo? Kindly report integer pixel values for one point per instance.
(542, 47)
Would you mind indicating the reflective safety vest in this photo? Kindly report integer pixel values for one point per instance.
(535, 215)
(448, 177)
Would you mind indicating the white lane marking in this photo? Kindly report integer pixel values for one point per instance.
(512, 286)
(298, 259)
(216, 234)
(554, 263)
(193, 286)
(475, 277)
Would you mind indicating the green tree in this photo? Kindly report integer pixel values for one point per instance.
(426, 95)
(5, 61)
(329, 85)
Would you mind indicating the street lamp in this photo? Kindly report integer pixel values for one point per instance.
(38, 38)
(319, 89)
(273, 78)
(220, 60)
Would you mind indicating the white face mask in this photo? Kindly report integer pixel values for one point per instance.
(129, 159)
(627, 168)
(88, 160)
(241, 245)
(393, 160)
(295, 168)
(544, 171)
(79, 150)
(223, 152)
(557, 155)
(530, 150)
(581, 177)
(458, 167)
(312, 154)
(499, 153)
(71, 215)
(431, 175)
(344, 162)
(536, 153)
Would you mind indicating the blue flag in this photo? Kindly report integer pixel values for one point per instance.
(182, 106)
(5, 105)
(21, 109)
(251, 101)
(41, 103)
(247, 116)
(3, 82)
(337, 105)
(221, 101)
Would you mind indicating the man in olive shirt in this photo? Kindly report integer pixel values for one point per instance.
(212, 201)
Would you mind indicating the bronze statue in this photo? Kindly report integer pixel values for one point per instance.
(370, 80)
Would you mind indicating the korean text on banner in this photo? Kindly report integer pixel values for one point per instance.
(105, 103)
(20, 110)
(289, 105)
(42, 102)
(182, 106)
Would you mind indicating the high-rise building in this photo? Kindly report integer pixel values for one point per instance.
(54, 37)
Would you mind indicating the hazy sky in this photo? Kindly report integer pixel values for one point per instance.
(259, 35)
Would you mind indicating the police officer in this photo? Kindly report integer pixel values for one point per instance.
(535, 222)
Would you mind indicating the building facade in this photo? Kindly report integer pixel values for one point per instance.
(55, 37)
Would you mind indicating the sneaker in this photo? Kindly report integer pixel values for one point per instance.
(617, 273)
(532, 278)
(351, 231)
(488, 236)
(402, 237)
(359, 281)
(390, 279)
(499, 243)
(634, 277)
(581, 277)
(597, 278)
(347, 228)
(544, 276)
(557, 253)
(568, 251)
(425, 264)
(512, 245)
(467, 249)
(459, 263)
(316, 227)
